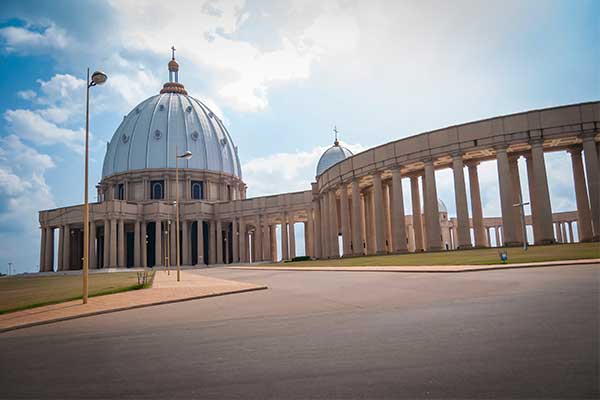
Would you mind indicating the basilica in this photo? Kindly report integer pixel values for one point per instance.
(172, 146)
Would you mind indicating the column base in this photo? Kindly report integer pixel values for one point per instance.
(512, 244)
(401, 251)
(464, 247)
(380, 253)
(545, 241)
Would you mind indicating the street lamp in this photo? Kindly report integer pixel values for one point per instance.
(98, 78)
(521, 206)
(186, 156)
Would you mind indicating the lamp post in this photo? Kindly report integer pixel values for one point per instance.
(186, 156)
(98, 78)
(167, 247)
(521, 205)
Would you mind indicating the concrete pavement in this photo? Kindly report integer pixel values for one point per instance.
(524, 333)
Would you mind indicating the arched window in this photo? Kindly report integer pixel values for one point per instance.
(197, 190)
(157, 190)
(120, 191)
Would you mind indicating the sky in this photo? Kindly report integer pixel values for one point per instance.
(280, 74)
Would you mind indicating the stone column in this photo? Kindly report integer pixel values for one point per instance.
(267, 253)
(307, 251)
(137, 244)
(532, 200)
(497, 230)
(345, 218)
(243, 254)
(200, 245)
(49, 252)
(212, 239)
(184, 243)
(463, 229)
(476, 209)
(236, 242)
(66, 260)
(219, 241)
(334, 227)
(487, 236)
(584, 217)
(292, 235)
(324, 200)
(542, 195)
(113, 243)
(317, 229)
(571, 232)
(144, 244)
(397, 210)
(592, 169)
(517, 196)
(121, 262)
(506, 193)
(388, 199)
(416, 213)
(226, 256)
(106, 245)
(431, 208)
(284, 238)
(158, 259)
(92, 249)
(258, 236)
(43, 249)
(378, 209)
(61, 244)
(173, 250)
(273, 235)
(559, 237)
(357, 247)
(564, 232)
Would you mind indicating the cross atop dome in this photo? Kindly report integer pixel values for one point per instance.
(173, 86)
(336, 141)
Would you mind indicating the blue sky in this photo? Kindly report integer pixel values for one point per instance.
(281, 74)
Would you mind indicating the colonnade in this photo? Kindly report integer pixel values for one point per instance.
(367, 210)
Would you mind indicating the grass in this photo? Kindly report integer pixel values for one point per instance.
(24, 292)
(465, 257)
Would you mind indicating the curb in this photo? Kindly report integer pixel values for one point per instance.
(93, 313)
(472, 268)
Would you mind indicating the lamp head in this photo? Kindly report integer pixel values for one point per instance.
(186, 156)
(99, 78)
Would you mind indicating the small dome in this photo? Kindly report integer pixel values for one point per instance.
(332, 155)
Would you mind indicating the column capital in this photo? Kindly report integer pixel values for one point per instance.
(588, 136)
(456, 154)
(471, 164)
(575, 150)
(500, 148)
(428, 161)
(536, 142)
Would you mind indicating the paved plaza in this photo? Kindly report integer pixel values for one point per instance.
(520, 333)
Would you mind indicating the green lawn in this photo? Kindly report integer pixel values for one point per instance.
(466, 257)
(22, 292)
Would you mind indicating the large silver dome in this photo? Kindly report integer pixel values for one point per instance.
(150, 133)
(332, 155)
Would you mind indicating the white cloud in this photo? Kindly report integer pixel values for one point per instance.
(26, 94)
(205, 35)
(23, 192)
(32, 126)
(27, 40)
(285, 172)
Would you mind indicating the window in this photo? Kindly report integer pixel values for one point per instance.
(157, 190)
(229, 193)
(197, 190)
(120, 195)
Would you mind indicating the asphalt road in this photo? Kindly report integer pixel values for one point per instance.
(524, 333)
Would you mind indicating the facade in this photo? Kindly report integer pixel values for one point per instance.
(358, 198)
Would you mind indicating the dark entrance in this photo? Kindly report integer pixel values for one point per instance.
(151, 243)
(129, 248)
